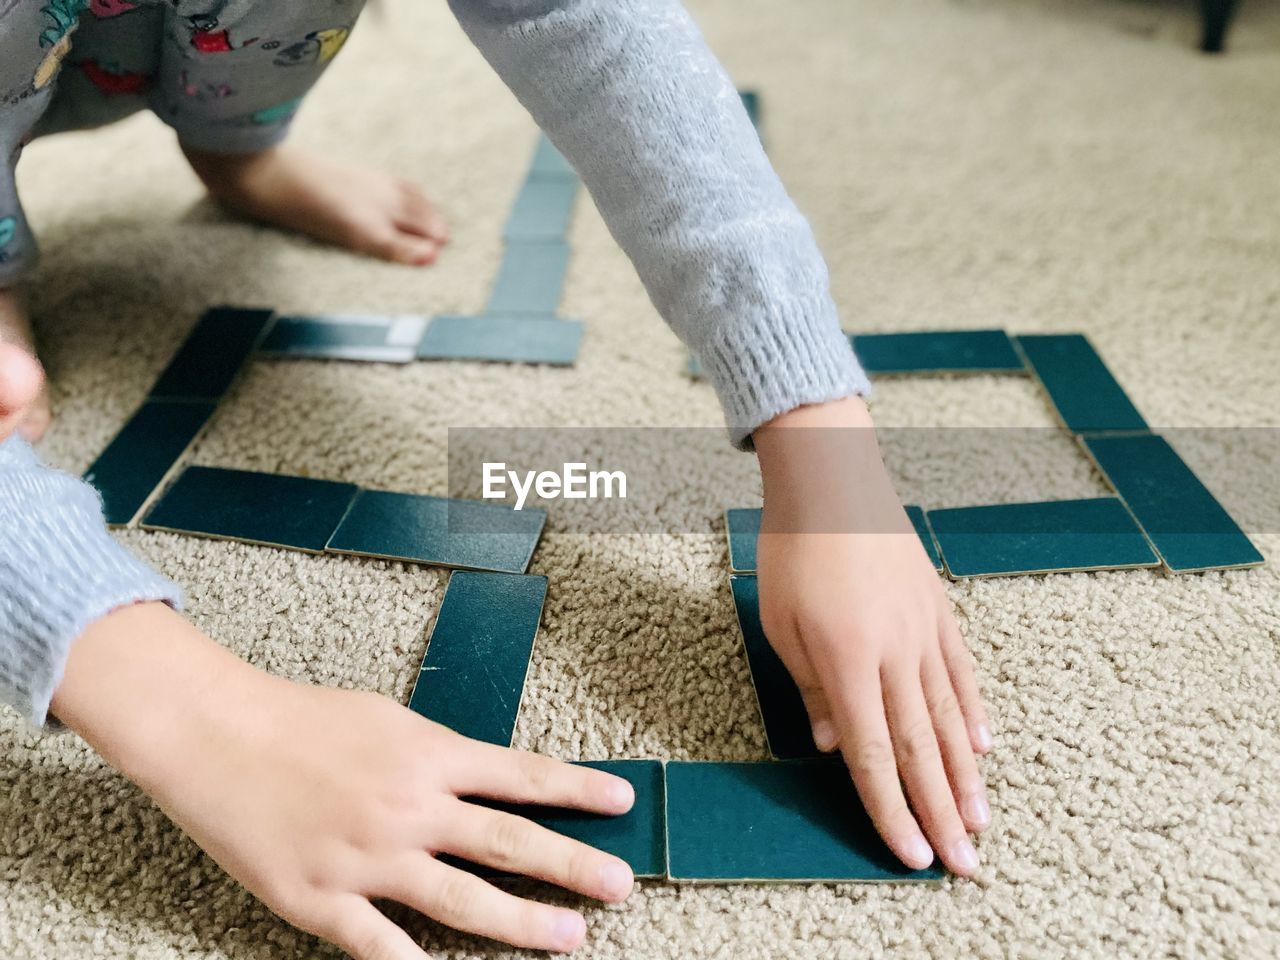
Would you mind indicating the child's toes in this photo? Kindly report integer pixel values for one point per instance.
(408, 248)
(419, 215)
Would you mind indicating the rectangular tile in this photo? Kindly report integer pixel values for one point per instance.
(948, 351)
(143, 453)
(542, 210)
(743, 528)
(548, 163)
(467, 534)
(694, 368)
(1050, 537)
(797, 820)
(530, 279)
(786, 724)
(473, 672)
(751, 102)
(377, 339)
(518, 338)
(208, 362)
(639, 836)
(1189, 527)
(921, 524)
(270, 509)
(1083, 391)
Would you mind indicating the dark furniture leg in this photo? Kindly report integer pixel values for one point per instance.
(1217, 17)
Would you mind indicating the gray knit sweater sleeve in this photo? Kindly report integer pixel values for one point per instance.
(59, 571)
(629, 92)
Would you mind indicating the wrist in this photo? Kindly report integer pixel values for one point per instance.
(821, 465)
(142, 683)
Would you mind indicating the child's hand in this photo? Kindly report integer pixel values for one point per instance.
(855, 610)
(320, 801)
(21, 381)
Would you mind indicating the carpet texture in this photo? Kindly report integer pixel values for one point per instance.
(1037, 166)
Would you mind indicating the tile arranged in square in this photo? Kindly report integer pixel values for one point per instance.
(275, 510)
(143, 453)
(473, 672)
(549, 163)
(786, 723)
(515, 338)
(751, 101)
(639, 836)
(542, 210)
(1083, 391)
(793, 821)
(921, 524)
(530, 279)
(1189, 527)
(933, 352)
(209, 360)
(1050, 537)
(743, 528)
(378, 339)
(442, 532)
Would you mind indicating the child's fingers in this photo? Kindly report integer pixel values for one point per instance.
(465, 902)
(515, 845)
(504, 774)
(957, 753)
(868, 753)
(920, 765)
(791, 651)
(21, 378)
(959, 663)
(361, 930)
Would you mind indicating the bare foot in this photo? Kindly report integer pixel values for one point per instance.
(353, 207)
(24, 395)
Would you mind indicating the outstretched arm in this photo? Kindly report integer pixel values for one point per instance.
(629, 92)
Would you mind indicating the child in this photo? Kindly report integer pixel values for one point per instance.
(320, 800)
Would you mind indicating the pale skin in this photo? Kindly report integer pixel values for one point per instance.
(258, 770)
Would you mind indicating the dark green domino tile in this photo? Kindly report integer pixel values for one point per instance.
(549, 163)
(1050, 537)
(751, 101)
(375, 339)
(743, 528)
(796, 820)
(638, 836)
(1188, 526)
(467, 534)
(143, 453)
(530, 279)
(507, 339)
(542, 210)
(473, 672)
(1082, 389)
(916, 514)
(278, 511)
(207, 363)
(786, 724)
(950, 351)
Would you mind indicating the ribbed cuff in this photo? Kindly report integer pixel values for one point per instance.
(767, 363)
(59, 572)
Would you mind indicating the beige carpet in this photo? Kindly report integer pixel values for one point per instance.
(1043, 166)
